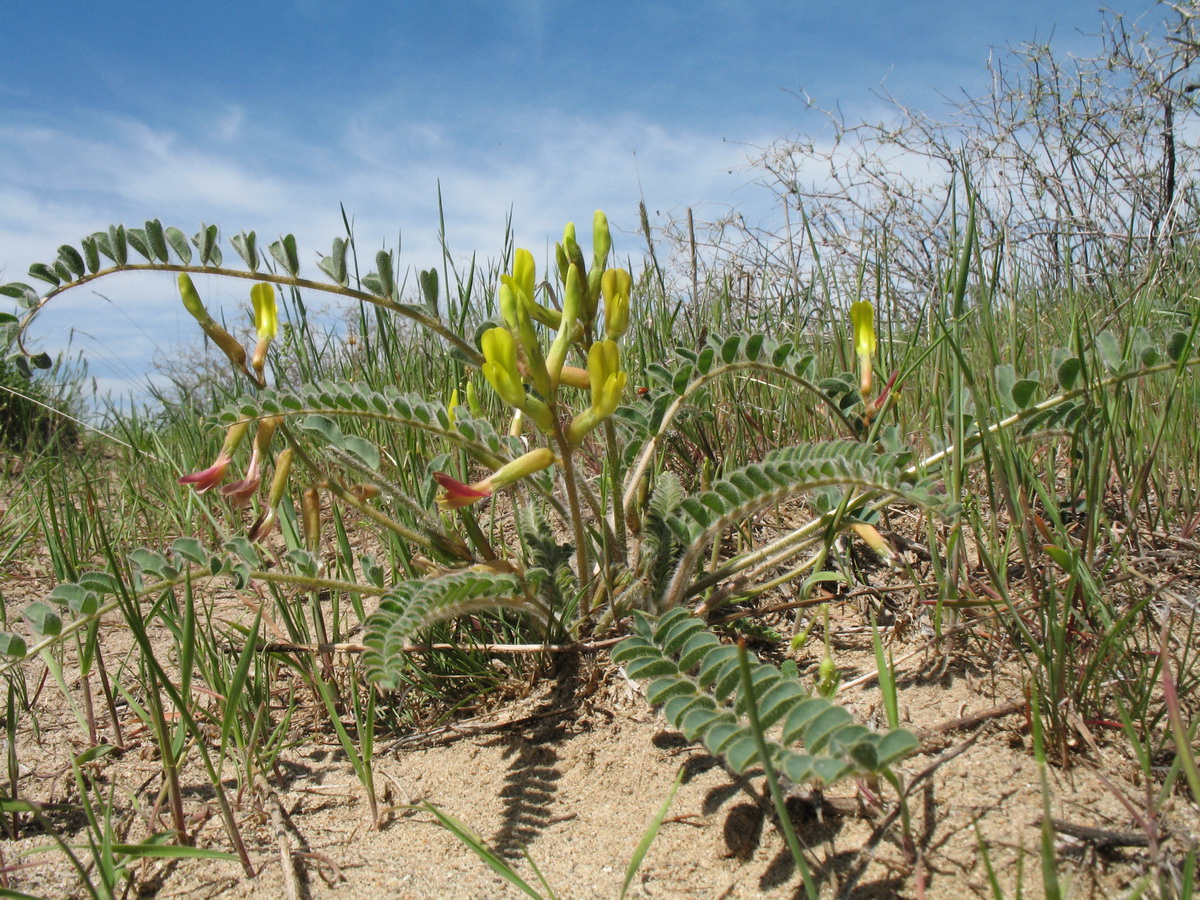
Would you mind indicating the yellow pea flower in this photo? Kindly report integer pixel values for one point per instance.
(266, 323)
(862, 319)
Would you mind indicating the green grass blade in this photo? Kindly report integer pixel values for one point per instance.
(477, 846)
(1050, 883)
(639, 854)
(538, 872)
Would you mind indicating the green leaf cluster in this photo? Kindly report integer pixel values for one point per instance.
(415, 604)
(696, 680)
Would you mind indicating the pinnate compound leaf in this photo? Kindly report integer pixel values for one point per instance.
(789, 471)
(835, 744)
(414, 605)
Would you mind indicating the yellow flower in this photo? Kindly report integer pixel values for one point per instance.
(229, 345)
(572, 298)
(607, 383)
(266, 323)
(524, 273)
(500, 366)
(206, 479)
(862, 318)
(457, 495)
(616, 285)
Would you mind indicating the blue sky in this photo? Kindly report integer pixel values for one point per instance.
(268, 115)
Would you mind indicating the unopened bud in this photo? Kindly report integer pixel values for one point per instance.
(601, 240)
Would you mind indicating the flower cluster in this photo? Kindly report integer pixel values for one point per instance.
(526, 360)
(266, 326)
(525, 357)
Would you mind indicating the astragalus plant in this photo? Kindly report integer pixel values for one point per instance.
(542, 423)
(527, 493)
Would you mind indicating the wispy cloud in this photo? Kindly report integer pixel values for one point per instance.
(525, 106)
(58, 184)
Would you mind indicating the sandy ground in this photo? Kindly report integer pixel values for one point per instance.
(575, 773)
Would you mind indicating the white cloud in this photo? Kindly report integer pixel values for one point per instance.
(60, 183)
